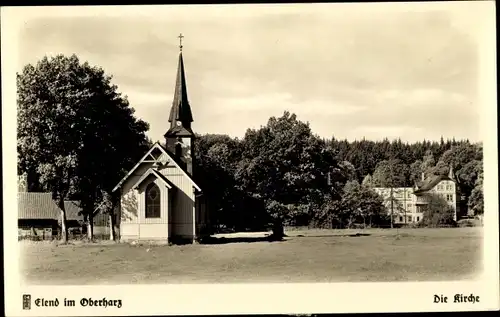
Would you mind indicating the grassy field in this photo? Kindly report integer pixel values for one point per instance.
(304, 256)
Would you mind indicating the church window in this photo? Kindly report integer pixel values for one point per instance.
(153, 201)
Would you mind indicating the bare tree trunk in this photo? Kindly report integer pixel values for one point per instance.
(392, 208)
(90, 227)
(64, 228)
(111, 227)
(115, 220)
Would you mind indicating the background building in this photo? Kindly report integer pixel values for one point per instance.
(403, 204)
(408, 204)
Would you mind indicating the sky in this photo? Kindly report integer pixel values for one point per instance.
(350, 70)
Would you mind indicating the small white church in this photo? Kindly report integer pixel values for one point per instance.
(159, 198)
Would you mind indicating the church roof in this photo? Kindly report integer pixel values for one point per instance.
(155, 173)
(179, 131)
(168, 155)
(181, 110)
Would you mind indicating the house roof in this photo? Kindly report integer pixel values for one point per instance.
(33, 205)
(167, 154)
(37, 205)
(429, 183)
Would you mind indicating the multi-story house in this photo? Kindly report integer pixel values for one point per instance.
(444, 186)
(403, 204)
(409, 203)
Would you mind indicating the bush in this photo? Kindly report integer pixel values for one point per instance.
(468, 223)
(438, 213)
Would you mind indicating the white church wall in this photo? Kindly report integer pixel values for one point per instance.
(177, 212)
(129, 207)
(182, 219)
(153, 228)
(153, 231)
(129, 231)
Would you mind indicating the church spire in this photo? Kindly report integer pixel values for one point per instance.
(179, 135)
(180, 114)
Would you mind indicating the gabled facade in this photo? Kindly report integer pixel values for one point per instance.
(409, 203)
(444, 186)
(159, 198)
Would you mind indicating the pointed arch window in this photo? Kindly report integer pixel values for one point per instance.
(153, 201)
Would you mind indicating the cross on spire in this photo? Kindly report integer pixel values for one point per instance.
(180, 41)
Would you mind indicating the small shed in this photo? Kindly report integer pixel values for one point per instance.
(75, 218)
(37, 215)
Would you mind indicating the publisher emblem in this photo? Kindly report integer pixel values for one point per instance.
(26, 302)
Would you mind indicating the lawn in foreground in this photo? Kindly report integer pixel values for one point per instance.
(305, 256)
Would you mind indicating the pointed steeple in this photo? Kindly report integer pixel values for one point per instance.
(179, 136)
(180, 114)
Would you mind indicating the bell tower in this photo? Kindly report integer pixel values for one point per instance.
(179, 136)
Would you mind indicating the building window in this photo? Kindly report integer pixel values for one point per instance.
(409, 218)
(153, 201)
(400, 218)
(440, 187)
(449, 197)
(418, 218)
(409, 205)
(448, 187)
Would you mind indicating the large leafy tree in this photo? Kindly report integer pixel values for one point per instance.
(428, 162)
(458, 156)
(361, 204)
(76, 133)
(476, 199)
(415, 173)
(287, 168)
(391, 173)
(216, 158)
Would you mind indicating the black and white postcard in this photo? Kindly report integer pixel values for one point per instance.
(250, 159)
